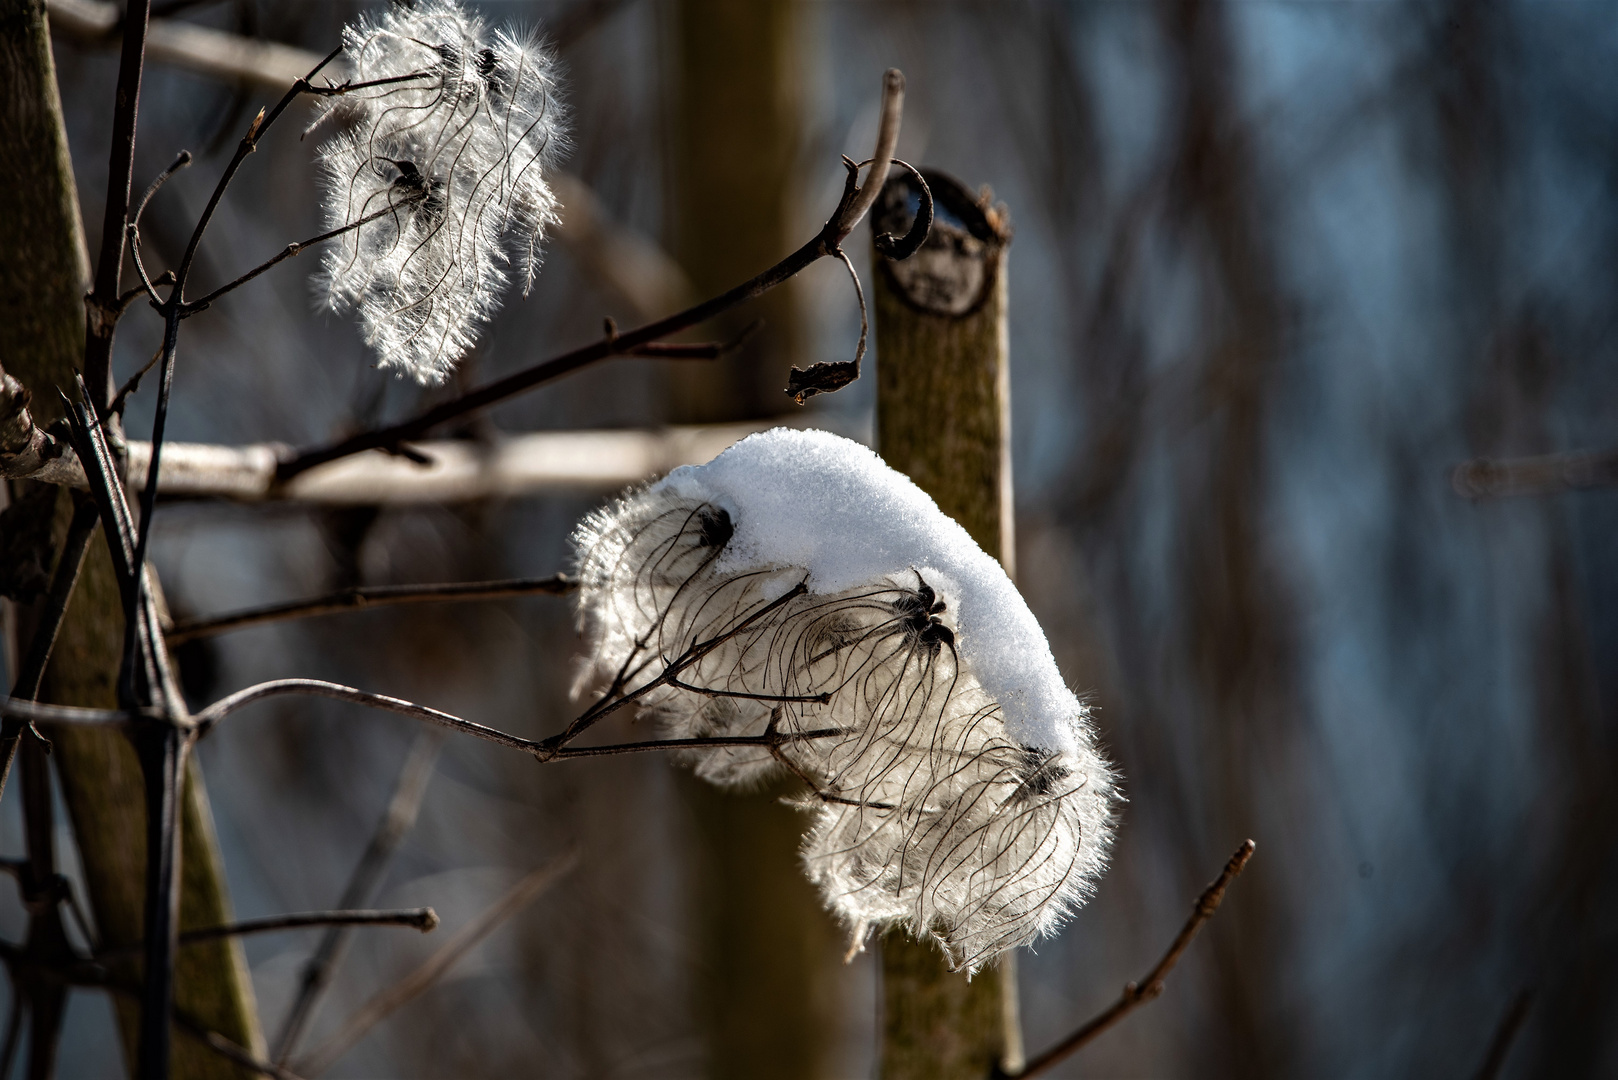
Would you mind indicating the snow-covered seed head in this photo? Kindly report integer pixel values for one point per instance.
(796, 586)
(444, 158)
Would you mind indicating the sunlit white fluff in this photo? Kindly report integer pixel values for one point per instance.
(446, 162)
(980, 817)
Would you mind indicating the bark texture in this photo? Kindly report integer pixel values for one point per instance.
(943, 419)
(768, 966)
(44, 272)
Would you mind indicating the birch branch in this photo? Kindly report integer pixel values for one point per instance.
(1137, 994)
(455, 470)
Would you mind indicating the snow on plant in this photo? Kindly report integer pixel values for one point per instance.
(449, 136)
(807, 586)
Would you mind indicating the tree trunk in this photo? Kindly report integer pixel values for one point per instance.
(943, 419)
(44, 273)
(768, 960)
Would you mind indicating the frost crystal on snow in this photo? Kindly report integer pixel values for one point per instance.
(962, 795)
(445, 160)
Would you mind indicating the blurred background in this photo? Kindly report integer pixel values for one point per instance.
(1278, 269)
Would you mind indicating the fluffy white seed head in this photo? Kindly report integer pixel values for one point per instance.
(445, 161)
(926, 810)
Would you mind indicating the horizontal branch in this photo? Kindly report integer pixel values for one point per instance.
(266, 65)
(424, 919)
(542, 751)
(1137, 994)
(371, 596)
(454, 471)
(1485, 479)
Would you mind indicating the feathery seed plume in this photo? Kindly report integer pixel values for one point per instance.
(443, 162)
(961, 795)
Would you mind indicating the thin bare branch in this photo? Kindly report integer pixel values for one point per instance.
(887, 141)
(297, 248)
(255, 131)
(424, 919)
(1137, 994)
(102, 303)
(543, 751)
(367, 597)
(181, 161)
(403, 807)
(417, 982)
(207, 718)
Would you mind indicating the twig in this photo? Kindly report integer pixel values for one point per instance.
(133, 382)
(423, 919)
(362, 884)
(1486, 479)
(192, 307)
(181, 161)
(255, 131)
(88, 974)
(1138, 994)
(370, 596)
(1505, 1034)
(543, 751)
(826, 243)
(102, 303)
(144, 677)
(418, 981)
(614, 699)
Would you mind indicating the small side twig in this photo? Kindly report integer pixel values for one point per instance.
(371, 596)
(192, 307)
(424, 919)
(417, 982)
(1137, 994)
(400, 816)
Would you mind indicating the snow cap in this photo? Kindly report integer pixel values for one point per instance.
(828, 505)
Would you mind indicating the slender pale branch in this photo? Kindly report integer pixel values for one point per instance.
(1137, 994)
